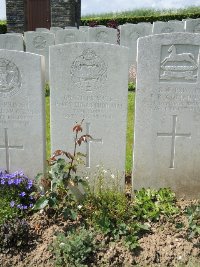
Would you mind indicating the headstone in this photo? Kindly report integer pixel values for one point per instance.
(55, 29)
(22, 116)
(38, 43)
(12, 42)
(168, 27)
(84, 28)
(42, 30)
(192, 25)
(102, 34)
(129, 33)
(89, 81)
(167, 117)
(70, 36)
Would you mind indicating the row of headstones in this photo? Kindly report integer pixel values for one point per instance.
(38, 42)
(89, 81)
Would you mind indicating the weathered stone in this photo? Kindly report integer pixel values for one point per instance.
(167, 120)
(168, 27)
(129, 33)
(70, 36)
(192, 25)
(12, 42)
(89, 81)
(38, 43)
(22, 113)
(102, 34)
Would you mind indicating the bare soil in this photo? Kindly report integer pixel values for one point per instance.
(165, 245)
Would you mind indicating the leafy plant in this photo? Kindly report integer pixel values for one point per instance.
(14, 234)
(149, 204)
(60, 187)
(193, 214)
(74, 248)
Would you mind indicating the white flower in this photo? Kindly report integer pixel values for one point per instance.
(80, 206)
(61, 245)
(104, 171)
(86, 177)
(112, 176)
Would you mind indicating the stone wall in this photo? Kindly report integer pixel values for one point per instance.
(63, 13)
(15, 15)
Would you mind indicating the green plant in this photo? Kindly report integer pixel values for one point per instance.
(14, 235)
(110, 212)
(150, 204)
(75, 248)
(193, 214)
(60, 187)
(131, 86)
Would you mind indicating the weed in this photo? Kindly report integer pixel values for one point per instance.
(193, 214)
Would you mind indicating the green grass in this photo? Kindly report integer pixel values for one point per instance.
(145, 12)
(129, 138)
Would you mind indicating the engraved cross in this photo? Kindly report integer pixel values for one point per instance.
(100, 140)
(173, 136)
(7, 146)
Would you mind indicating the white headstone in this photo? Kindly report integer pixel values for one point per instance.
(89, 81)
(12, 41)
(167, 117)
(129, 33)
(22, 114)
(102, 34)
(55, 29)
(168, 27)
(83, 28)
(38, 43)
(70, 36)
(192, 25)
(42, 30)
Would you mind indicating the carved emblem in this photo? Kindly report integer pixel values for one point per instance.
(197, 28)
(178, 66)
(102, 36)
(39, 42)
(134, 35)
(167, 30)
(10, 78)
(88, 71)
(69, 37)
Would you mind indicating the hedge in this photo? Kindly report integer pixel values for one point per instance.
(135, 20)
(3, 27)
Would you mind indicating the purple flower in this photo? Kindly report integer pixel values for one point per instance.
(12, 204)
(31, 205)
(10, 181)
(30, 184)
(25, 207)
(20, 206)
(2, 181)
(22, 194)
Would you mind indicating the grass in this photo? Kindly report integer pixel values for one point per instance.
(145, 12)
(129, 137)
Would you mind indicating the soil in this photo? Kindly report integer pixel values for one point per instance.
(165, 245)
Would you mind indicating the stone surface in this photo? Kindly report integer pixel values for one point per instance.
(129, 33)
(89, 81)
(102, 34)
(42, 30)
(12, 42)
(168, 27)
(70, 36)
(22, 113)
(167, 117)
(55, 29)
(192, 25)
(38, 43)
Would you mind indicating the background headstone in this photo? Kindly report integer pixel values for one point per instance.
(70, 36)
(38, 43)
(89, 81)
(167, 117)
(168, 27)
(102, 34)
(22, 112)
(192, 25)
(12, 42)
(129, 33)
(42, 30)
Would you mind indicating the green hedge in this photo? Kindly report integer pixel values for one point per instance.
(3, 27)
(135, 20)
